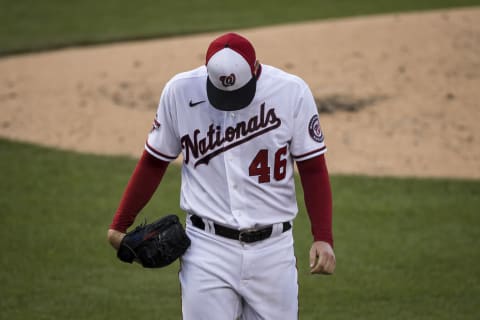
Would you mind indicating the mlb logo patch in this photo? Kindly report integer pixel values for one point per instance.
(315, 130)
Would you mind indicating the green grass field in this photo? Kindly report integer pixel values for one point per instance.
(406, 248)
(29, 25)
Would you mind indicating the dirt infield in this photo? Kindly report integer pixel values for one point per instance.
(399, 94)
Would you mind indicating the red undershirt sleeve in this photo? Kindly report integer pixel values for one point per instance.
(140, 188)
(317, 196)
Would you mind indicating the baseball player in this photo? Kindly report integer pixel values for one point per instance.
(240, 126)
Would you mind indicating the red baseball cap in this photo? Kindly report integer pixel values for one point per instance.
(232, 70)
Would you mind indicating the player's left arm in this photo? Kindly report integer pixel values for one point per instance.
(318, 201)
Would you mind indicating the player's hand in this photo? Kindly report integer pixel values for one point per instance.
(322, 258)
(115, 238)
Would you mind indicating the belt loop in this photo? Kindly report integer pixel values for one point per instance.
(204, 224)
(209, 226)
(277, 229)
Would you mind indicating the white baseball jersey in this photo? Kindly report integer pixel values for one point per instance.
(238, 165)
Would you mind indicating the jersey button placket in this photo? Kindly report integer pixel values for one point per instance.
(233, 187)
(229, 158)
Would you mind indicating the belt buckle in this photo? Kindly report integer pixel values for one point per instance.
(254, 235)
(243, 233)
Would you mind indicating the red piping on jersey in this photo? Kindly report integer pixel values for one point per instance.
(317, 196)
(142, 184)
(158, 153)
(309, 153)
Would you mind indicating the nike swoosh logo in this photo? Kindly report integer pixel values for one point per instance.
(193, 104)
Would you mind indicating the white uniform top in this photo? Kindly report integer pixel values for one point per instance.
(238, 165)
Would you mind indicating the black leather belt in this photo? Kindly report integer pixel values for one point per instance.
(247, 236)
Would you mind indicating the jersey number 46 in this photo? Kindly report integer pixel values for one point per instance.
(261, 168)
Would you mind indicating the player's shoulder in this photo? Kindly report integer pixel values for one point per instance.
(278, 75)
(188, 77)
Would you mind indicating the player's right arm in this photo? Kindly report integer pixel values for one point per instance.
(142, 185)
(149, 170)
(115, 238)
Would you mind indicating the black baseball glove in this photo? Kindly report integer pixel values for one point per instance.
(156, 244)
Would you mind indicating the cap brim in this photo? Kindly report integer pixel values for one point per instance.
(231, 100)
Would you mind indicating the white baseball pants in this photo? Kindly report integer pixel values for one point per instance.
(223, 279)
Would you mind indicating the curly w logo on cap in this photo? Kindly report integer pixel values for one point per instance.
(228, 81)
